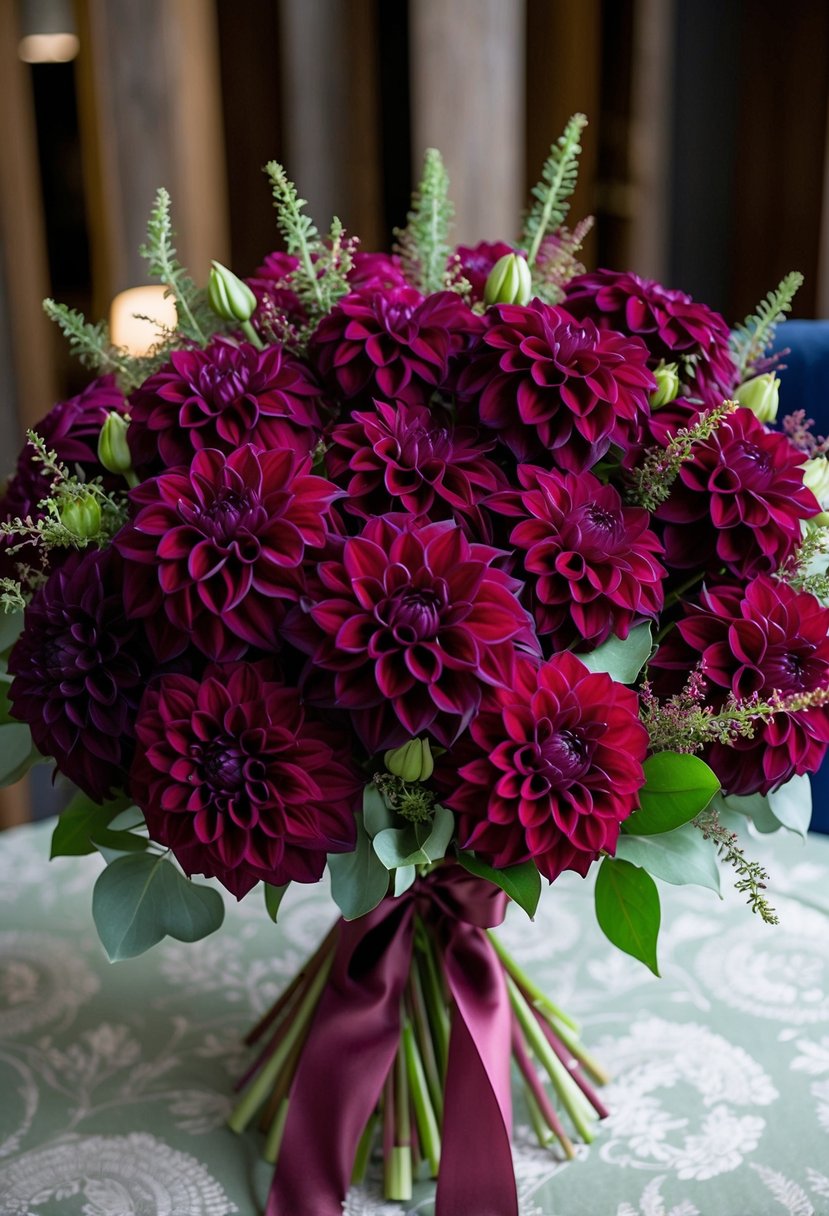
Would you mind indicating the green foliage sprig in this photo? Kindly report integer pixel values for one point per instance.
(423, 245)
(89, 344)
(751, 877)
(557, 263)
(751, 339)
(553, 192)
(195, 318)
(651, 482)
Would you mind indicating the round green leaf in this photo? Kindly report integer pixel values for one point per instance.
(359, 880)
(676, 789)
(522, 883)
(142, 898)
(622, 659)
(627, 909)
(680, 857)
(791, 805)
(17, 752)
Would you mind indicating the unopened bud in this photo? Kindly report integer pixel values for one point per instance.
(510, 281)
(113, 449)
(761, 395)
(667, 385)
(228, 296)
(82, 516)
(816, 478)
(412, 761)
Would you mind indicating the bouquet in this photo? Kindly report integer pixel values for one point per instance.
(444, 572)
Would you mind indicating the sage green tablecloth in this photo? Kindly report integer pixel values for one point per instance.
(115, 1080)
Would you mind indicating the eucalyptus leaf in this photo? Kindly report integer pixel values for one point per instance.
(622, 659)
(80, 821)
(140, 899)
(522, 883)
(17, 752)
(122, 842)
(791, 805)
(416, 844)
(677, 787)
(753, 806)
(404, 877)
(681, 857)
(11, 626)
(359, 880)
(627, 909)
(273, 898)
(376, 814)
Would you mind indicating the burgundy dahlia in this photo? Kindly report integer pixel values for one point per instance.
(551, 384)
(592, 564)
(394, 344)
(222, 397)
(378, 271)
(271, 284)
(670, 323)
(412, 622)
(738, 502)
(214, 551)
(476, 262)
(554, 766)
(80, 668)
(411, 457)
(236, 777)
(752, 642)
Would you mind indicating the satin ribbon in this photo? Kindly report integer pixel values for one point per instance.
(355, 1034)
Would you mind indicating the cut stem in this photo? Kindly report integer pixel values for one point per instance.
(530, 988)
(542, 1102)
(427, 1124)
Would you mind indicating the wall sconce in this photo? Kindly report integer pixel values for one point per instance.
(139, 316)
(47, 31)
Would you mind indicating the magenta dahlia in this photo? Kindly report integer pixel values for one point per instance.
(752, 642)
(591, 563)
(553, 767)
(222, 397)
(550, 384)
(476, 262)
(394, 344)
(670, 323)
(377, 271)
(271, 284)
(739, 502)
(79, 670)
(411, 623)
(240, 781)
(215, 550)
(411, 457)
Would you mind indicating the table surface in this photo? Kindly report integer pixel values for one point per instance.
(115, 1080)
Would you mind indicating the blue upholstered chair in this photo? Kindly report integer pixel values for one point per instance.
(805, 385)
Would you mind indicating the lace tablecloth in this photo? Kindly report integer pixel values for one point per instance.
(115, 1080)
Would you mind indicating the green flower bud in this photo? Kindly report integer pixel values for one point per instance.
(412, 761)
(667, 385)
(113, 449)
(761, 395)
(510, 281)
(816, 477)
(82, 516)
(228, 296)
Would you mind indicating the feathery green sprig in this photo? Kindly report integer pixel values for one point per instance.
(553, 192)
(88, 343)
(195, 319)
(751, 339)
(423, 245)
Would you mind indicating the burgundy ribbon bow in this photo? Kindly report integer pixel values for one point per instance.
(356, 1032)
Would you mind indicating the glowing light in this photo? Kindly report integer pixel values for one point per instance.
(48, 48)
(140, 333)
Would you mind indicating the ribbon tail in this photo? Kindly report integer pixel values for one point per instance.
(477, 1177)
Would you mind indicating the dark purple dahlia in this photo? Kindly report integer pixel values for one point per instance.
(222, 397)
(237, 778)
(71, 429)
(412, 622)
(378, 271)
(394, 344)
(591, 563)
(271, 284)
(739, 502)
(476, 262)
(411, 457)
(80, 668)
(552, 768)
(670, 323)
(551, 384)
(752, 642)
(214, 551)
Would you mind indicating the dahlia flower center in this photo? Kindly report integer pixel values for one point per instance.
(419, 444)
(228, 514)
(600, 524)
(223, 767)
(413, 614)
(221, 386)
(571, 341)
(397, 318)
(755, 454)
(556, 758)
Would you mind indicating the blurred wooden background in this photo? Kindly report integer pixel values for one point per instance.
(705, 162)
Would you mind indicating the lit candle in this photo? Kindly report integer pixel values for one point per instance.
(139, 317)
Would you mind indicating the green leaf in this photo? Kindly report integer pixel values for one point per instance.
(376, 814)
(273, 898)
(681, 857)
(359, 880)
(17, 752)
(627, 909)
(754, 807)
(622, 659)
(11, 626)
(552, 194)
(676, 789)
(80, 821)
(416, 844)
(521, 883)
(404, 876)
(119, 842)
(139, 900)
(791, 805)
